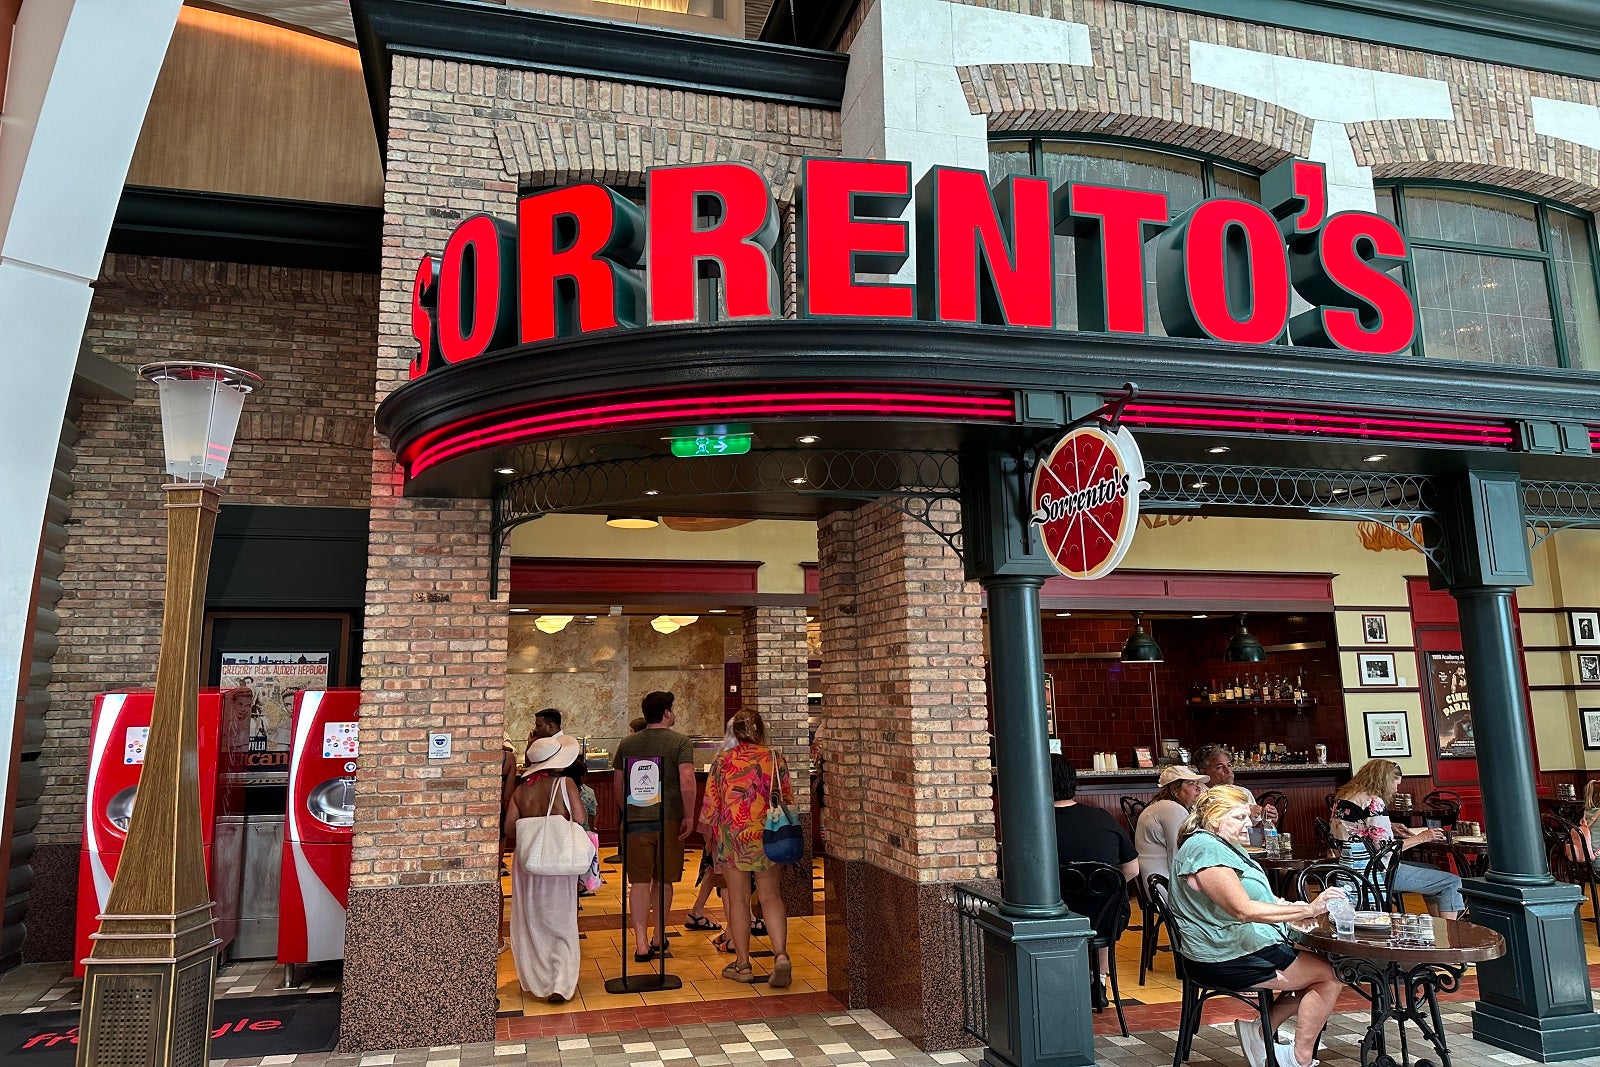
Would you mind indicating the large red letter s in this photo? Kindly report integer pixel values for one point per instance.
(1343, 272)
(851, 226)
(736, 244)
(476, 289)
(578, 248)
(424, 308)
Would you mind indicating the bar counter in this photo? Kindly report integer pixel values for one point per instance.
(1307, 786)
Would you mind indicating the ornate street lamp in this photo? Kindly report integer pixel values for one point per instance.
(149, 978)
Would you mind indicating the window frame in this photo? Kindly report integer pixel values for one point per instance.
(1545, 255)
(1208, 161)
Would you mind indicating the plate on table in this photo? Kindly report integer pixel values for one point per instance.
(1255, 850)
(1474, 839)
(1372, 920)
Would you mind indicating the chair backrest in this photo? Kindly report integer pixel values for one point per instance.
(1096, 891)
(1571, 851)
(1327, 802)
(1157, 889)
(1324, 832)
(1441, 808)
(1131, 808)
(1319, 876)
(1381, 870)
(1277, 799)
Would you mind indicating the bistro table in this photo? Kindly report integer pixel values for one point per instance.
(1401, 980)
(1283, 869)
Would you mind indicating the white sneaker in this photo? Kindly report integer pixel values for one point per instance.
(1252, 1043)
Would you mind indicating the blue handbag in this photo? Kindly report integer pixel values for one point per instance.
(782, 839)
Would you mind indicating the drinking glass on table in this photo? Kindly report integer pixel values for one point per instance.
(1342, 913)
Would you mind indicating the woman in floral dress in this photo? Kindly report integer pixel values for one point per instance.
(1360, 818)
(732, 818)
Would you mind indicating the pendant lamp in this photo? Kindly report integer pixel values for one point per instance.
(1140, 646)
(1243, 647)
(632, 522)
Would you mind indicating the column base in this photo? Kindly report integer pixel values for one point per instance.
(1036, 991)
(154, 1011)
(1535, 1000)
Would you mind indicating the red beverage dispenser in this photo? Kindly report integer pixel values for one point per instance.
(316, 840)
(117, 739)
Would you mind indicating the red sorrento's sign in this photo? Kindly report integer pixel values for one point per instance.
(1086, 500)
(1224, 270)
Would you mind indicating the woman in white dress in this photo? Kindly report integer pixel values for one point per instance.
(544, 908)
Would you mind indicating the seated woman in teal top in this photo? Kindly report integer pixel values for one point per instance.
(1233, 927)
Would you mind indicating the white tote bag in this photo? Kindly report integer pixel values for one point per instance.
(553, 844)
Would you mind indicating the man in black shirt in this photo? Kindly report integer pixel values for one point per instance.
(1085, 833)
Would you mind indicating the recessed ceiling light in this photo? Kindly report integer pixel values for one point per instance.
(505, 470)
(1198, 485)
(717, 611)
(652, 492)
(591, 617)
(1063, 614)
(1340, 492)
(1199, 616)
(1218, 450)
(632, 522)
(1376, 457)
(798, 481)
(519, 611)
(808, 439)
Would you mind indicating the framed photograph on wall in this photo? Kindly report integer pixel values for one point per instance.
(1585, 628)
(1377, 668)
(1375, 629)
(1388, 734)
(1589, 718)
(1589, 668)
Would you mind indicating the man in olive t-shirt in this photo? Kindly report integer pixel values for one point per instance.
(655, 858)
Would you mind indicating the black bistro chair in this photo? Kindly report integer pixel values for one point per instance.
(1441, 808)
(1572, 860)
(1196, 993)
(1149, 929)
(1319, 876)
(1324, 833)
(1100, 893)
(1131, 808)
(1275, 798)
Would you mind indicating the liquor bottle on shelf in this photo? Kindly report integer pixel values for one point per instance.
(1213, 694)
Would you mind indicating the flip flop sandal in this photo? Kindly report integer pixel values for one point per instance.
(644, 957)
(780, 973)
(744, 975)
(664, 951)
(723, 943)
(758, 927)
(700, 922)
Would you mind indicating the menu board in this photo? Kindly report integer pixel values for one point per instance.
(1446, 674)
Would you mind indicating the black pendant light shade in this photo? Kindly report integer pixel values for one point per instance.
(1140, 646)
(1244, 648)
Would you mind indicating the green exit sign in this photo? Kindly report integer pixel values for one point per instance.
(713, 444)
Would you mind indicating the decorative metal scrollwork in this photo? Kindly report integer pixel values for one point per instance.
(1553, 506)
(1402, 995)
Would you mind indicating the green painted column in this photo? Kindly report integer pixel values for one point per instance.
(1534, 1000)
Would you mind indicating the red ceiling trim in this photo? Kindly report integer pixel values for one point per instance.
(1221, 590)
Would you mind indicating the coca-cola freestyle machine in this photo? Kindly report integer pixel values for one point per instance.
(117, 740)
(316, 841)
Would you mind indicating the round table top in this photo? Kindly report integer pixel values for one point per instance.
(1454, 941)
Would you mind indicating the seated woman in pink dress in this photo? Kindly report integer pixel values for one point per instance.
(732, 818)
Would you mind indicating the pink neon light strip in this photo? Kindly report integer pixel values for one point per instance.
(1315, 417)
(1303, 423)
(453, 441)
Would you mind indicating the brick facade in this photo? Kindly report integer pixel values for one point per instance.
(1140, 87)
(309, 335)
(774, 684)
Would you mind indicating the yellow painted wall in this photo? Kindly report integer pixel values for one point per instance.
(783, 546)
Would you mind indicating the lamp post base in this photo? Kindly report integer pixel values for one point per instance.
(1036, 991)
(150, 1010)
(1534, 1000)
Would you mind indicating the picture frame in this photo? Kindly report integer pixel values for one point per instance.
(1585, 628)
(1589, 721)
(1589, 669)
(1378, 669)
(1375, 629)
(1388, 734)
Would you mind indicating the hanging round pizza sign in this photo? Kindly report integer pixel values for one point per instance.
(1086, 500)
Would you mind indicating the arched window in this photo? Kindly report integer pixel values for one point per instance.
(1499, 278)
(1187, 179)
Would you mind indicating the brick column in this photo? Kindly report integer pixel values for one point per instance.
(774, 682)
(423, 929)
(907, 781)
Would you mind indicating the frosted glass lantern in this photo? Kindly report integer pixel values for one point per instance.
(200, 407)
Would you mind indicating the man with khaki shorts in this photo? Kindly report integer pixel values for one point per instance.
(648, 869)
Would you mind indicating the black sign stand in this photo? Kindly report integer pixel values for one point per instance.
(643, 983)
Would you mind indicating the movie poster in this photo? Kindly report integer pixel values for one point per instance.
(273, 679)
(1452, 705)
